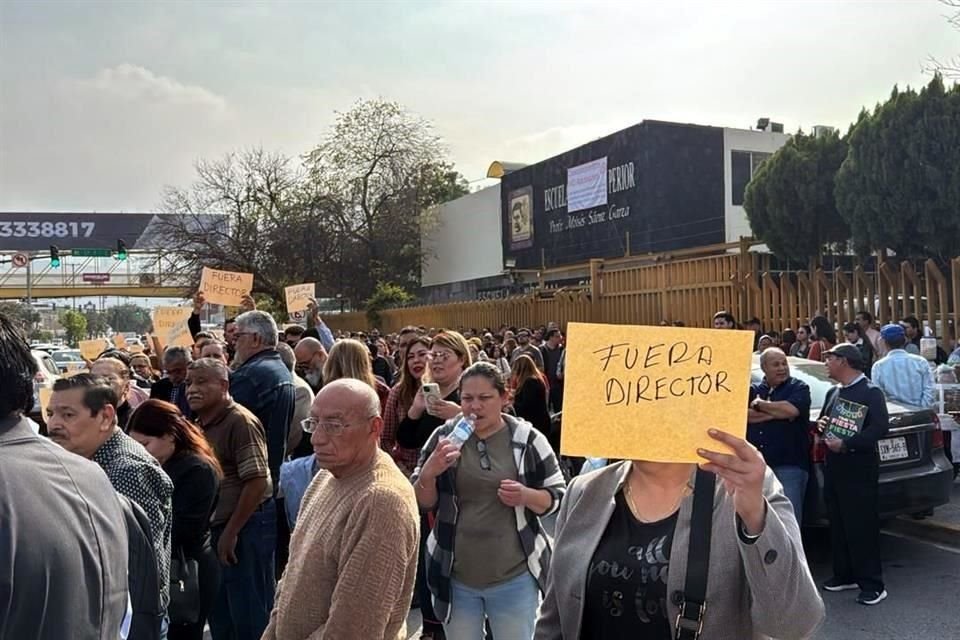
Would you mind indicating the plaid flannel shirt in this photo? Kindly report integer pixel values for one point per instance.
(537, 468)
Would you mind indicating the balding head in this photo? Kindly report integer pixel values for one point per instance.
(775, 367)
(310, 357)
(347, 426)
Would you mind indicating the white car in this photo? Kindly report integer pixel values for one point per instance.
(47, 374)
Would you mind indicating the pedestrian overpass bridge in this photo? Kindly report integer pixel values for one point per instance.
(140, 276)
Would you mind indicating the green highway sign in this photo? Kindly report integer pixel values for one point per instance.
(93, 253)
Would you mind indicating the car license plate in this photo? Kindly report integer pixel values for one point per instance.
(893, 449)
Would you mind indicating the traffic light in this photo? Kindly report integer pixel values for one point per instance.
(54, 255)
(121, 250)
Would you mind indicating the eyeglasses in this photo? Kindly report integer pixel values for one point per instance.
(333, 429)
(440, 356)
(484, 458)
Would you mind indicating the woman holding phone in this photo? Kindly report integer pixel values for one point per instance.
(447, 358)
(449, 355)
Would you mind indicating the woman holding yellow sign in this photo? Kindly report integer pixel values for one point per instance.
(638, 540)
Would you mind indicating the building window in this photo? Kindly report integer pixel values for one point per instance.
(744, 165)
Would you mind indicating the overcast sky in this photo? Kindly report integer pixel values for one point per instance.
(101, 104)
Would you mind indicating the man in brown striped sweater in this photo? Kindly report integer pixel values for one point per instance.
(353, 554)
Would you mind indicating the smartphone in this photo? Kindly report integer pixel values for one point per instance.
(431, 391)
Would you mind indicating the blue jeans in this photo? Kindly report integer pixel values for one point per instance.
(510, 606)
(242, 607)
(794, 481)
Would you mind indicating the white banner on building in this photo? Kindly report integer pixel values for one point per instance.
(587, 185)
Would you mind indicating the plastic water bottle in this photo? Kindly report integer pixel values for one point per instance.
(462, 431)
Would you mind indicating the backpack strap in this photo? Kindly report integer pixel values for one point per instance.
(690, 619)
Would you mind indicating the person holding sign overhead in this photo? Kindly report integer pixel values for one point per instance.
(630, 538)
(655, 546)
(853, 419)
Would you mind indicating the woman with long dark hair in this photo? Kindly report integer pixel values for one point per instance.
(823, 339)
(529, 387)
(189, 460)
(415, 359)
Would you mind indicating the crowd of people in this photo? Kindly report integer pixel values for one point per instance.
(297, 484)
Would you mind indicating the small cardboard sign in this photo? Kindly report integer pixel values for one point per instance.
(45, 393)
(90, 349)
(119, 341)
(170, 325)
(225, 287)
(298, 296)
(652, 393)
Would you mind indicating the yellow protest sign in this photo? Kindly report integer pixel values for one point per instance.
(298, 296)
(170, 324)
(135, 348)
(90, 349)
(651, 393)
(45, 393)
(225, 287)
(119, 341)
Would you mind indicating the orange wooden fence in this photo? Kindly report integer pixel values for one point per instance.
(687, 287)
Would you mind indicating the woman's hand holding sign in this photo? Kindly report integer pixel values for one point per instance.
(742, 473)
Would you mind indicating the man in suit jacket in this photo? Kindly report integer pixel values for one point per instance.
(63, 542)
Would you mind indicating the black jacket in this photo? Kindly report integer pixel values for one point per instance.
(143, 578)
(530, 403)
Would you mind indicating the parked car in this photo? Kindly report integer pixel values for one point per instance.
(47, 374)
(915, 474)
(42, 346)
(68, 360)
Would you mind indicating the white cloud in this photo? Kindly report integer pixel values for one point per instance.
(107, 141)
(134, 83)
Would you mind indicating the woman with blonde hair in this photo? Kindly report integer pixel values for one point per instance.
(351, 359)
(529, 387)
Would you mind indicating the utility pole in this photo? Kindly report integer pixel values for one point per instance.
(29, 284)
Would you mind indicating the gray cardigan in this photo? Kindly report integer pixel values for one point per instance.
(759, 590)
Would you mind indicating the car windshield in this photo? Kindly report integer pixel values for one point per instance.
(813, 373)
(66, 356)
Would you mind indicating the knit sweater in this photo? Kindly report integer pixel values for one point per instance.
(353, 559)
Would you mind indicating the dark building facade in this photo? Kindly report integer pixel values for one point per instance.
(656, 186)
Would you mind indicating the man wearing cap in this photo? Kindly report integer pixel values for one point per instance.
(903, 377)
(851, 477)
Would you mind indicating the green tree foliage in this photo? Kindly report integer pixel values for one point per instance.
(74, 324)
(257, 193)
(385, 296)
(790, 201)
(347, 217)
(381, 168)
(21, 313)
(128, 318)
(899, 187)
(96, 324)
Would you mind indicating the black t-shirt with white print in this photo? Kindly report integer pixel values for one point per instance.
(626, 594)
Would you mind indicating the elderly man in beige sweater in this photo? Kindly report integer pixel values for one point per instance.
(353, 554)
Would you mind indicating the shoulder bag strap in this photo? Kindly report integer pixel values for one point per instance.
(690, 619)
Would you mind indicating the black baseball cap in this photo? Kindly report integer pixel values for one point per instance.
(848, 352)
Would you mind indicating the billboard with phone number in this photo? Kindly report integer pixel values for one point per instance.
(144, 231)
